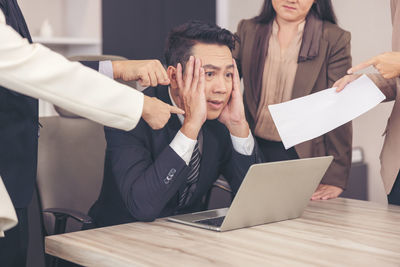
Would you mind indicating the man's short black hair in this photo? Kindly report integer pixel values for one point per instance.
(181, 39)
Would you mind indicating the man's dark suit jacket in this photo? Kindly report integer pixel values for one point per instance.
(138, 162)
(19, 126)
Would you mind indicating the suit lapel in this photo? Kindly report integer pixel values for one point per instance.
(258, 57)
(173, 124)
(16, 20)
(311, 70)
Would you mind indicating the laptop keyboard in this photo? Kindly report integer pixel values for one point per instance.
(212, 221)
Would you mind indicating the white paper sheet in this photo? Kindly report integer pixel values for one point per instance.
(308, 117)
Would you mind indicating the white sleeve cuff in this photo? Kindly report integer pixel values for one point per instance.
(106, 68)
(244, 146)
(183, 146)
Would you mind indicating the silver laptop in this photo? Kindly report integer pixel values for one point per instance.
(270, 192)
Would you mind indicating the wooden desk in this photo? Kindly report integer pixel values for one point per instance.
(340, 232)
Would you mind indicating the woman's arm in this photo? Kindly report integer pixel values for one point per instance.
(34, 70)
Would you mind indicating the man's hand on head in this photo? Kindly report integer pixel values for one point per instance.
(192, 96)
(146, 72)
(233, 115)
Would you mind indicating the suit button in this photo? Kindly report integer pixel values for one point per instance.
(172, 172)
(170, 175)
(167, 179)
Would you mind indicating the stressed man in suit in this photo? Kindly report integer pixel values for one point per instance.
(155, 173)
(29, 71)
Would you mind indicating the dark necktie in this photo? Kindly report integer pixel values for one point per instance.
(192, 178)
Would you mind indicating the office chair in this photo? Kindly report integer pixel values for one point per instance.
(220, 195)
(70, 171)
(70, 167)
(71, 154)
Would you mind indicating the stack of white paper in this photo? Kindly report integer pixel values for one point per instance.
(308, 117)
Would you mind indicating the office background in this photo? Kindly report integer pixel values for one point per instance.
(137, 29)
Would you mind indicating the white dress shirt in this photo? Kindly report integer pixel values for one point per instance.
(184, 146)
(106, 68)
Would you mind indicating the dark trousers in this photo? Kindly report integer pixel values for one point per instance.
(394, 196)
(14, 245)
(275, 151)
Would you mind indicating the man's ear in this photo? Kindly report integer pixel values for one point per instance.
(171, 72)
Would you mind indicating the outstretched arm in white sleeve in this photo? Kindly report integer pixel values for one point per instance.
(36, 71)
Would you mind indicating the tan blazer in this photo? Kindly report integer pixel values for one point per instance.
(390, 155)
(313, 75)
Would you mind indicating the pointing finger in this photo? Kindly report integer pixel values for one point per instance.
(176, 110)
(362, 65)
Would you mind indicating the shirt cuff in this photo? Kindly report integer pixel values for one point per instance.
(106, 68)
(244, 146)
(183, 146)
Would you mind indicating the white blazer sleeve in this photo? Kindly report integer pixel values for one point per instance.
(36, 71)
(8, 218)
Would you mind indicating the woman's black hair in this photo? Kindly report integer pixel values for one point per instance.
(321, 8)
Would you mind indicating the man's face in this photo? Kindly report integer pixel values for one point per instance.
(217, 63)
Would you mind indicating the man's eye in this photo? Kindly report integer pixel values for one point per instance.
(209, 74)
(229, 75)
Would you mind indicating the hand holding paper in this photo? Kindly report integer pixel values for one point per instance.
(308, 117)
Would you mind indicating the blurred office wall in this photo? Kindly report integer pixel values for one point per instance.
(71, 21)
(69, 27)
(138, 29)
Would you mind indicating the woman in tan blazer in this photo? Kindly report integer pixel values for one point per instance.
(388, 80)
(292, 49)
